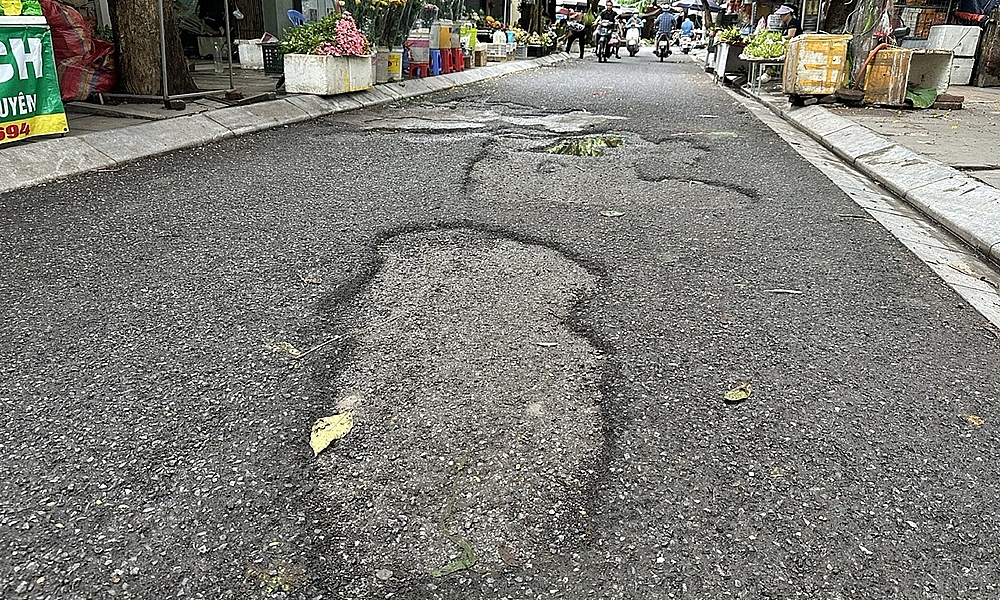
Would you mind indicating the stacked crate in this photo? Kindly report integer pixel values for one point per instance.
(963, 42)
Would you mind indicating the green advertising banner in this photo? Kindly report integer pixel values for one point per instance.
(30, 103)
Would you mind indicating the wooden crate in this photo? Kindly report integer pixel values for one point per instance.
(886, 77)
(815, 64)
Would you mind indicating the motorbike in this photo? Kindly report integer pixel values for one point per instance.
(614, 44)
(605, 29)
(686, 43)
(662, 48)
(632, 40)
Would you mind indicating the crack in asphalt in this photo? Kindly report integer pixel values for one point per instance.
(750, 193)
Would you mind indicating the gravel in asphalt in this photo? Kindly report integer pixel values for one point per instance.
(155, 428)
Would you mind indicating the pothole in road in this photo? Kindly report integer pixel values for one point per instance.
(434, 119)
(476, 408)
(591, 145)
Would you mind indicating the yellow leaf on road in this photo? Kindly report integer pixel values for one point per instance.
(977, 421)
(739, 393)
(328, 429)
(285, 348)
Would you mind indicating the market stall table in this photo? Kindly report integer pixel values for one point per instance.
(758, 67)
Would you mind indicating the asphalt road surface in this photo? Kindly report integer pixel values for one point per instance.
(534, 347)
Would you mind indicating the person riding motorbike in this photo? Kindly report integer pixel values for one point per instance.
(608, 14)
(664, 25)
(632, 21)
(687, 27)
(634, 24)
(686, 39)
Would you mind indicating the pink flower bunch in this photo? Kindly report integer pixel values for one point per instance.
(349, 41)
(327, 49)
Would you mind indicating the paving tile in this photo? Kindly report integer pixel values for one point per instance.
(257, 117)
(158, 137)
(314, 106)
(855, 141)
(965, 206)
(901, 170)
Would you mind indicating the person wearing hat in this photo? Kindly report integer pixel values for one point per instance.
(790, 24)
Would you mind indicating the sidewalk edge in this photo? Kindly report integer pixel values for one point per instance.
(967, 207)
(46, 161)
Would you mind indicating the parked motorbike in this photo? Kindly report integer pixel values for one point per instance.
(632, 40)
(605, 29)
(614, 44)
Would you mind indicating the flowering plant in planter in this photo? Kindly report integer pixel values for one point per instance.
(333, 35)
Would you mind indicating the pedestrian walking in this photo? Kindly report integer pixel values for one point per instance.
(576, 30)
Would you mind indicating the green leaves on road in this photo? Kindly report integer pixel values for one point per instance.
(465, 561)
(591, 145)
(921, 97)
(738, 393)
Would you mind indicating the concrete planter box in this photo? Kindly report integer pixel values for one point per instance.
(328, 75)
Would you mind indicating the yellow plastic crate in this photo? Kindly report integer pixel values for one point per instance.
(815, 64)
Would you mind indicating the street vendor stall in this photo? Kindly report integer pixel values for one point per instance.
(30, 102)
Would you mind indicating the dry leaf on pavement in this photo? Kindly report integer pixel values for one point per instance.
(286, 348)
(739, 393)
(328, 429)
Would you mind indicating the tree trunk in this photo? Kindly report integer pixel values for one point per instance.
(136, 24)
(708, 16)
(836, 17)
(988, 70)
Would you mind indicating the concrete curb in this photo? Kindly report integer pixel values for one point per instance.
(42, 161)
(965, 206)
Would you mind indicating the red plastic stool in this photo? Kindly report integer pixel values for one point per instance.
(447, 62)
(419, 69)
(458, 59)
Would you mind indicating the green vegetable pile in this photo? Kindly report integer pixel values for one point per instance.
(731, 35)
(306, 38)
(766, 44)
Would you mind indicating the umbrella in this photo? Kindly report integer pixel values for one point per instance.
(696, 5)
